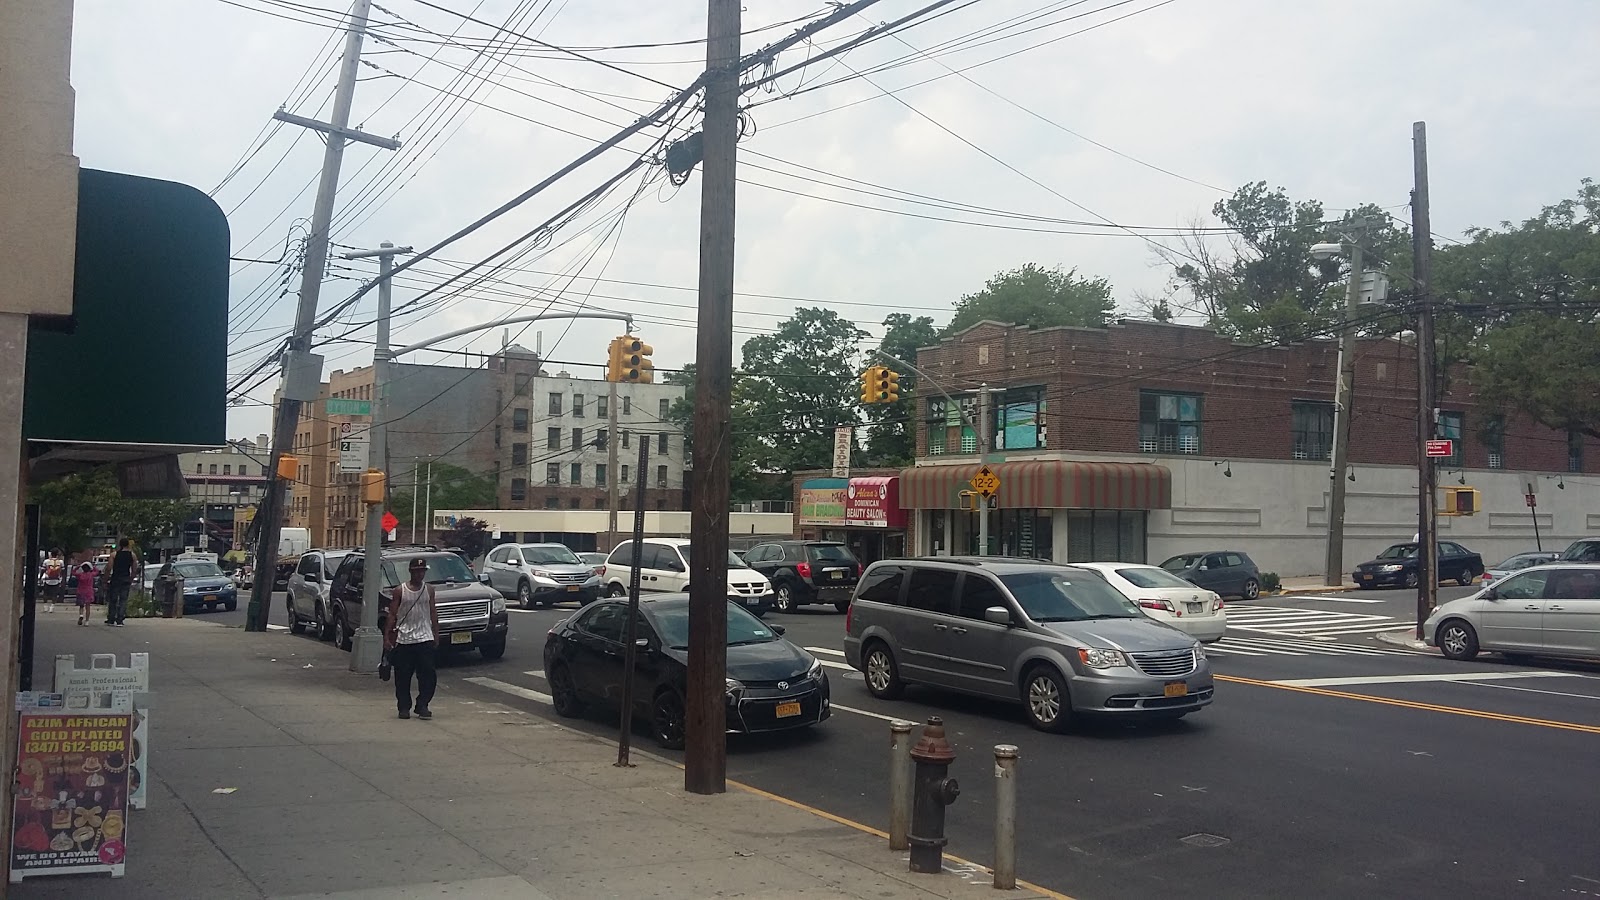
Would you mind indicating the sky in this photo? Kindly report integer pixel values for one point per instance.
(1129, 120)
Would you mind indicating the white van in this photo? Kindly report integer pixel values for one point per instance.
(664, 567)
(293, 541)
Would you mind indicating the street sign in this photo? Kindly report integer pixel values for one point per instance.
(338, 406)
(389, 522)
(986, 482)
(1440, 448)
(841, 451)
(1531, 499)
(354, 446)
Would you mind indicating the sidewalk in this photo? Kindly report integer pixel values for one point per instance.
(1312, 584)
(337, 798)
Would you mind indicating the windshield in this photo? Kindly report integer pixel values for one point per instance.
(1150, 577)
(1179, 563)
(1521, 561)
(1068, 597)
(1583, 551)
(196, 569)
(1399, 551)
(734, 562)
(829, 553)
(549, 554)
(446, 568)
(743, 628)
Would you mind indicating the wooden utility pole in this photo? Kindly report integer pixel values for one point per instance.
(705, 756)
(1343, 394)
(1422, 275)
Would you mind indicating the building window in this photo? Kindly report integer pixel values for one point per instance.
(661, 443)
(1450, 429)
(1574, 451)
(600, 475)
(1019, 419)
(1169, 423)
(552, 473)
(1494, 440)
(519, 490)
(572, 502)
(577, 406)
(661, 476)
(519, 384)
(1312, 424)
(552, 502)
(625, 439)
(577, 474)
(263, 471)
(519, 421)
(624, 473)
(577, 438)
(555, 404)
(599, 503)
(627, 406)
(213, 469)
(552, 438)
(602, 407)
(1106, 535)
(600, 438)
(199, 468)
(227, 469)
(666, 408)
(943, 416)
(519, 454)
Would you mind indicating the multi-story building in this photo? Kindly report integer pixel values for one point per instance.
(1143, 440)
(221, 482)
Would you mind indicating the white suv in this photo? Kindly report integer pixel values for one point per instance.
(664, 567)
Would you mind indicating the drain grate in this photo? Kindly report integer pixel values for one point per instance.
(1205, 840)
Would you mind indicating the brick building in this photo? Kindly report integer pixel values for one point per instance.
(1142, 440)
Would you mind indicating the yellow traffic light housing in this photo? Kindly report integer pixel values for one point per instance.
(288, 467)
(372, 485)
(635, 363)
(888, 385)
(869, 390)
(1461, 501)
(614, 356)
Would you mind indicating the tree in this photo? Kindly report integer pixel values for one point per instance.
(149, 521)
(470, 535)
(894, 434)
(70, 506)
(745, 481)
(453, 488)
(1039, 298)
(802, 382)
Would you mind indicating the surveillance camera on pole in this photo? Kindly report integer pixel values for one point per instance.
(1327, 251)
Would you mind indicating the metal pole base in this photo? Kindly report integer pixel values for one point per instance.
(366, 651)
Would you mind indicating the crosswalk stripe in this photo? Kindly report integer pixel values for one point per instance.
(512, 689)
(825, 650)
(537, 673)
(837, 665)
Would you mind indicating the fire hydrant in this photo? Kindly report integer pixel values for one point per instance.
(934, 790)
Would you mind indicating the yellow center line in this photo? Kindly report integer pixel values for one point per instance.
(1413, 704)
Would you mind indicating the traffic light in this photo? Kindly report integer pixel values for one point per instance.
(288, 467)
(1461, 501)
(372, 484)
(614, 356)
(635, 363)
(887, 386)
(869, 389)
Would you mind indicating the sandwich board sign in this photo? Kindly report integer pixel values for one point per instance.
(106, 688)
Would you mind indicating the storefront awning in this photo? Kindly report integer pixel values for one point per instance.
(1043, 484)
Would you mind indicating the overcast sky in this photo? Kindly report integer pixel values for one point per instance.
(1317, 98)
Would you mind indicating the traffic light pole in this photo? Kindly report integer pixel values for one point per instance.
(1422, 275)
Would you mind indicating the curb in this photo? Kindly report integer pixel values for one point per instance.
(1317, 589)
(1404, 638)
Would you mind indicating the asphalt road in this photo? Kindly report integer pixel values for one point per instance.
(1331, 764)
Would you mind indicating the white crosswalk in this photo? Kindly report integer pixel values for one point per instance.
(1298, 622)
(1263, 646)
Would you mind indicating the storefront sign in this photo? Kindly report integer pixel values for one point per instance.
(842, 437)
(104, 687)
(70, 815)
(874, 503)
(822, 501)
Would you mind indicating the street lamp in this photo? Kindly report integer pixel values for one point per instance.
(1333, 569)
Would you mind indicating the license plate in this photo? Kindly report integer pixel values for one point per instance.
(1366, 578)
(752, 601)
(786, 710)
(1196, 607)
(1178, 689)
(465, 637)
(837, 575)
(574, 588)
(209, 598)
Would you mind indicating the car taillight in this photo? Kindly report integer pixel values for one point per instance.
(858, 570)
(804, 569)
(848, 612)
(1163, 605)
(1219, 603)
(600, 570)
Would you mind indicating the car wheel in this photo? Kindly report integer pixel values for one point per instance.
(1465, 577)
(346, 639)
(667, 719)
(1457, 640)
(882, 672)
(783, 599)
(1252, 589)
(296, 626)
(564, 692)
(524, 595)
(494, 650)
(325, 624)
(842, 606)
(1411, 579)
(615, 589)
(1044, 695)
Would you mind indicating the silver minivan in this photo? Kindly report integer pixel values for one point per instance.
(1551, 610)
(1056, 638)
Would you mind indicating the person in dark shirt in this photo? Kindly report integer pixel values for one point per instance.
(122, 568)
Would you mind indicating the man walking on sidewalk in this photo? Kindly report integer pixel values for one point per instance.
(411, 639)
(120, 568)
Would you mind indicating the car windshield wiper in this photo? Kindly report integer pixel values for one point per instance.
(678, 647)
(1114, 616)
(751, 641)
(1048, 619)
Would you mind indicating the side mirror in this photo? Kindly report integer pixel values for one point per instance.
(1491, 594)
(778, 630)
(999, 615)
(643, 645)
(483, 577)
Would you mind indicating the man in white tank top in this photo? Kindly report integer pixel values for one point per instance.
(411, 637)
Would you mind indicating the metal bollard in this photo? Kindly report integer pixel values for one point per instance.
(1005, 816)
(900, 784)
(933, 791)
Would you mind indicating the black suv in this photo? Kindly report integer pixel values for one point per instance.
(472, 615)
(804, 572)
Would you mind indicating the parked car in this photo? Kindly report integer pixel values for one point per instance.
(1230, 573)
(472, 615)
(1168, 599)
(1056, 638)
(205, 586)
(1587, 550)
(597, 560)
(1397, 565)
(804, 572)
(1517, 563)
(308, 591)
(540, 574)
(664, 567)
(771, 684)
(1548, 610)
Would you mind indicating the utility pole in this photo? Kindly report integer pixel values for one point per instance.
(416, 491)
(367, 650)
(302, 370)
(983, 457)
(427, 509)
(706, 753)
(1422, 275)
(613, 482)
(1344, 389)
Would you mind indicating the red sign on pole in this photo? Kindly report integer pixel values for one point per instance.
(389, 522)
(1440, 448)
(1533, 501)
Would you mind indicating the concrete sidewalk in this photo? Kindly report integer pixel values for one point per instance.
(335, 797)
(1312, 584)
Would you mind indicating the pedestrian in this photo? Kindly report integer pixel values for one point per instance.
(51, 578)
(120, 569)
(410, 637)
(85, 591)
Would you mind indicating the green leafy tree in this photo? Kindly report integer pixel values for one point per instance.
(801, 382)
(470, 535)
(1039, 298)
(70, 507)
(453, 488)
(746, 483)
(893, 439)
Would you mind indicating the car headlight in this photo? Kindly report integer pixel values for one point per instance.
(497, 606)
(1391, 568)
(735, 687)
(1102, 659)
(815, 671)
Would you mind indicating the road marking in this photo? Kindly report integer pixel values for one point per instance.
(1408, 679)
(1327, 599)
(537, 673)
(512, 689)
(1508, 687)
(277, 628)
(837, 665)
(1300, 622)
(865, 712)
(1411, 704)
(826, 651)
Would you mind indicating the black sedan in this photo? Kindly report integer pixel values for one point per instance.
(1397, 566)
(772, 684)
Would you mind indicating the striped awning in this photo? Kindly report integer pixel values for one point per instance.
(1043, 484)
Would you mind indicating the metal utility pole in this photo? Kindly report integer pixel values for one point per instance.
(1422, 275)
(1344, 390)
(427, 509)
(630, 650)
(302, 370)
(983, 456)
(706, 753)
(613, 482)
(367, 651)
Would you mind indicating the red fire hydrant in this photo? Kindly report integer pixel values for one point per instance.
(934, 791)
